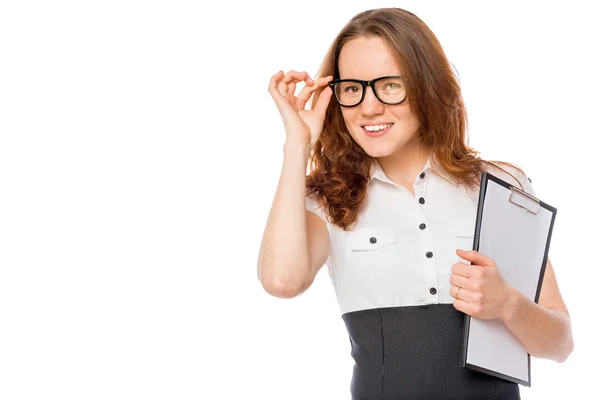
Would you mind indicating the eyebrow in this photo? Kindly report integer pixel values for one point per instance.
(366, 80)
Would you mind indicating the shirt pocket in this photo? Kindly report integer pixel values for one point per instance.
(371, 251)
(370, 239)
(371, 272)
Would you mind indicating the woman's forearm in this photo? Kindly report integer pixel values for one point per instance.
(545, 333)
(283, 261)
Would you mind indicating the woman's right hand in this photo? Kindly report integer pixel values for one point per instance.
(303, 126)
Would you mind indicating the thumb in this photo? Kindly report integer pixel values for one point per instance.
(323, 101)
(476, 257)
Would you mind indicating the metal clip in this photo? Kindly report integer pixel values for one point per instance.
(516, 197)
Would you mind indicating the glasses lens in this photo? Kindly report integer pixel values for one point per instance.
(348, 93)
(390, 90)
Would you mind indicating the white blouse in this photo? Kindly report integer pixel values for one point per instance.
(401, 251)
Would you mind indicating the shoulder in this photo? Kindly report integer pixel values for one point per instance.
(509, 172)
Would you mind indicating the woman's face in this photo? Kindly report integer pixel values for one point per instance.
(366, 59)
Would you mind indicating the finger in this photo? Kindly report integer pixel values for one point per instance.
(282, 87)
(288, 89)
(291, 89)
(291, 79)
(274, 81)
(466, 270)
(296, 76)
(277, 89)
(475, 257)
(281, 101)
(461, 281)
(454, 291)
(307, 91)
(460, 293)
(279, 84)
(467, 308)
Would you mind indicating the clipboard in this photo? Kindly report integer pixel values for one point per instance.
(514, 229)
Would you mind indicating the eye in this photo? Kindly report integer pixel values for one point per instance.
(391, 86)
(351, 89)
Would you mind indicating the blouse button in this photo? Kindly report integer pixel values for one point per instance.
(421, 200)
(373, 240)
(422, 226)
(422, 175)
(432, 290)
(429, 254)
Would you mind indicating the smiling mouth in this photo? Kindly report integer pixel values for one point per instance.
(376, 128)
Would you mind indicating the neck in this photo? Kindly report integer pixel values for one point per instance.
(406, 163)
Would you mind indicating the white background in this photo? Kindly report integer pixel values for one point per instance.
(139, 154)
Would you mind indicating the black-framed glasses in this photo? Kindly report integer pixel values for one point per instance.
(351, 92)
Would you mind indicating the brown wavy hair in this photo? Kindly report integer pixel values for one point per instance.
(339, 169)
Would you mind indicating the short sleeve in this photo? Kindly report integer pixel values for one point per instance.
(513, 176)
(528, 187)
(313, 206)
(524, 180)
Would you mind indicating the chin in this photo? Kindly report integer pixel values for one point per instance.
(378, 150)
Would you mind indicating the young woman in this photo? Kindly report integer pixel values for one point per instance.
(390, 200)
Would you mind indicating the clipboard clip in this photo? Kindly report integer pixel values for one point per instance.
(524, 200)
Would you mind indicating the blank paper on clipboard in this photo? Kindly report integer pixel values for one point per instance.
(514, 229)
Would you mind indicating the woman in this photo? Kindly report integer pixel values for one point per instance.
(390, 200)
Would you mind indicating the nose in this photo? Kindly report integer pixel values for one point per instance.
(371, 105)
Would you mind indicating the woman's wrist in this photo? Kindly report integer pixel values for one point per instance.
(514, 301)
(294, 148)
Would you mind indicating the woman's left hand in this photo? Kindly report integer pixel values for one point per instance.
(478, 288)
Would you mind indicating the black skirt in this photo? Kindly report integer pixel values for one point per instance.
(410, 353)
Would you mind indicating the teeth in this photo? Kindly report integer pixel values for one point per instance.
(376, 128)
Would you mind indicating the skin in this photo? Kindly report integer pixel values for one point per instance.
(544, 329)
(399, 151)
(296, 242)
